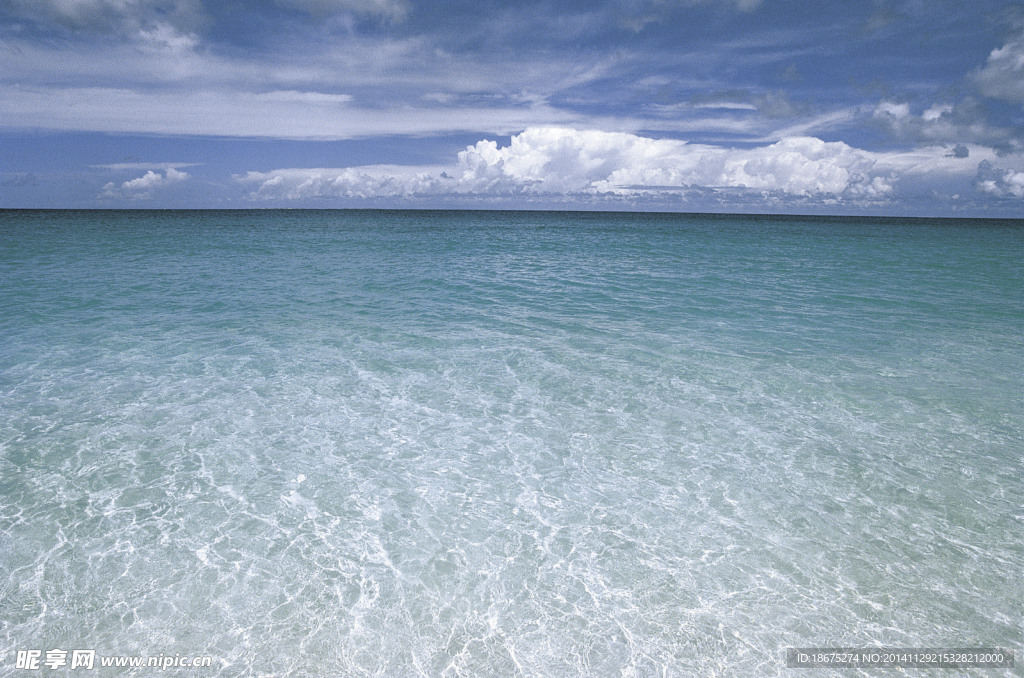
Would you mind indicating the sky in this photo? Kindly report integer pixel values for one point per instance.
(893, 107)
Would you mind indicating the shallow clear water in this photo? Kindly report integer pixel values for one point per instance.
(459, 443)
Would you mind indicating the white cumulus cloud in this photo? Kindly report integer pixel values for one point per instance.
(142, 187)
(561, 160)
(565, 161)
(1002, 77)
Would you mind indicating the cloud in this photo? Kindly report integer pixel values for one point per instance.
(560, 161)
(386, 9)
(142, 187)
(109, 17)
(1002, 77)
(164, 38)
(281, 114)
(892, 112)
(959, 151)
(18, 179)
(1001, 183)
(776, 104)
(742, 5)
(376, 181)
(964, 121)
(122, 166)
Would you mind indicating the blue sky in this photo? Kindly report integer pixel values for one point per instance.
(870, 107)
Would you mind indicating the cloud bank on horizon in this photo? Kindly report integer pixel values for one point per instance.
(893, 106)
(565, 161)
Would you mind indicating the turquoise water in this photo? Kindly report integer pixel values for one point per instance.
(492, 443)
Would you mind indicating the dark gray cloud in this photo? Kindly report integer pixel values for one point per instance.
(999, 182)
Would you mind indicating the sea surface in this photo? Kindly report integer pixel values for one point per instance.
(399, 443)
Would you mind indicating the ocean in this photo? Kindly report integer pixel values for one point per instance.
(400, 443)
